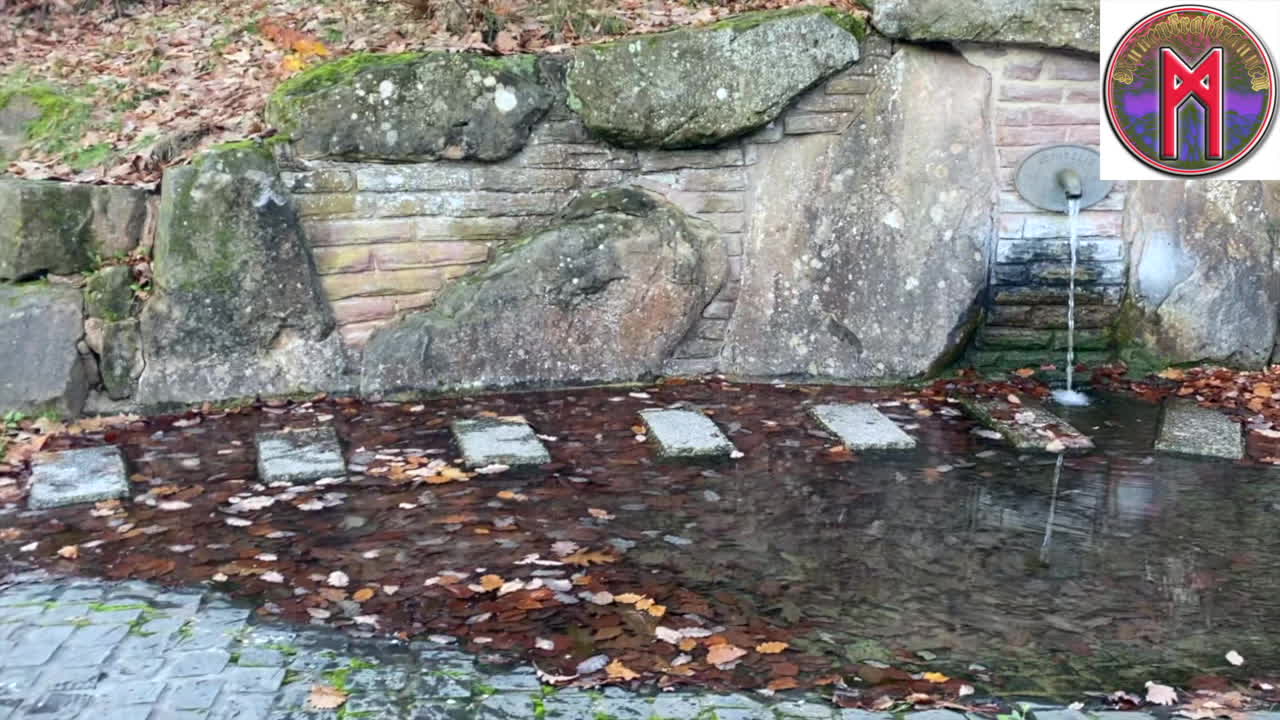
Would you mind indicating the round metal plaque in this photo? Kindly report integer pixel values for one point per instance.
(1037, 178)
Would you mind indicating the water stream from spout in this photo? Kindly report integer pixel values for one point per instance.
(1070, 396)
(1047, 544)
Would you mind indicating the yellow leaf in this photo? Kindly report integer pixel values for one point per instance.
(936, 678)
(1025, 372)
(628, 598)
(293, 63)
(325, 697)
(491, 582)
(657, 610)
(362, 594)
(771, 648)
(1172, 374)
(687, 644)
(644, 603)
(308, 47)
(618, 671)
(70, 552)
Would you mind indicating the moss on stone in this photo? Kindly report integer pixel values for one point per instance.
(852, 24)
(336, 72)
(62, 117)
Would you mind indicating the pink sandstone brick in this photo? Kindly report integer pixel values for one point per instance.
(1064, 67)
(1064, 115)
(1021, 136)
(1030, 92)
(1029, 70)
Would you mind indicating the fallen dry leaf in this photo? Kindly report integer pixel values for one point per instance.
(325, 697)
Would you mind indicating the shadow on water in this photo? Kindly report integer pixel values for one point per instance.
(1146, 567)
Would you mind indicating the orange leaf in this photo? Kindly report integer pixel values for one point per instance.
(783, 683)
(491, 582)
(771, 648)
(628, 598)
(726, 653)
(583, 558)
(657, 610)
(618, 671)
(936, 678)
(362, 594)
(292, 63)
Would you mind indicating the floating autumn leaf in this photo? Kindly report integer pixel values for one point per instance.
(771, 648)
(1024, 372)
(362, 595)
(337, 579)
(628, 598)
(667, 635)
(70, 552)
(584, 558)
(725, 653)
(1235, 658)
(617, 671)
(782, 683)
(656, 610)
(491, 582)
(936, 678)
(600, 514)
(1158, 694)
(325, 697)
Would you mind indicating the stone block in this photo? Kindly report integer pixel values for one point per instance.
(658, 160)
(412, 178)
(108, 294)
(72, 477)
(1016, 338)
(121, 361)
(809, 124)
(523, 180)
(1021, 425)
(328, 180)
(861, 427)
(1057, 295)
(1051, 316)
(397, 256)
(300, 455)
(1088, 249)
(40, 327)
(850, 84)
(1188, 429)
(351, 232)
(325, 204)
(685, 434)
(488, 441)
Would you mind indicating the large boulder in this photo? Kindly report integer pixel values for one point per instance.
(412, 107)
(603, 294)
(868, 251)
(237, 310)
(1203, 284)
(40, 326)
(64, 228)
(1068, 24)
(699, 86)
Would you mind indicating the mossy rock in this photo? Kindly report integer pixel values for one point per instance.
(603, 294)
(1069, 24)
(49, 119)
(412, 107)
(700, 86)
(40, 324)
(108, 294)
(64, 228)
(45, 227)
(237, 309)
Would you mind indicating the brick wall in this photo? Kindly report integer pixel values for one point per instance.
(388, 238)
(1044, 98)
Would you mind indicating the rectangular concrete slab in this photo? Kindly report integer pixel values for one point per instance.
(1027, 426)
(77, 476)
(300, 455)
(862, 427)
(1188, 429)
(685, 434)
(487, 441)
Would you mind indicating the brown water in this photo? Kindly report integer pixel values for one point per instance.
(934, 559)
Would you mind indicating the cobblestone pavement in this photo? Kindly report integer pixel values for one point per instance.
(134, 651)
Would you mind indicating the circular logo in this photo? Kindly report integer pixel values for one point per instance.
(1190, 90)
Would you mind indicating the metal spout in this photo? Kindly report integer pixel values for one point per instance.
(1071, 184)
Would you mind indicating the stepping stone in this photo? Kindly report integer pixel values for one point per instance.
(1027, 426)
(862, 427)
(1188, 429)
(686, 434)
(78, 476)
(300, 455)
(488, 441)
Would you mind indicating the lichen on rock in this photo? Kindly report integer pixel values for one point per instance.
(603, 294)
(699, 86)
(412, 107)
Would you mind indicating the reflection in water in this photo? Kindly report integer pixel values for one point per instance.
(1060, 576)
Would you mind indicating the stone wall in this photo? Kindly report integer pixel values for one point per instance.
(1042, 98)
(388, 238)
